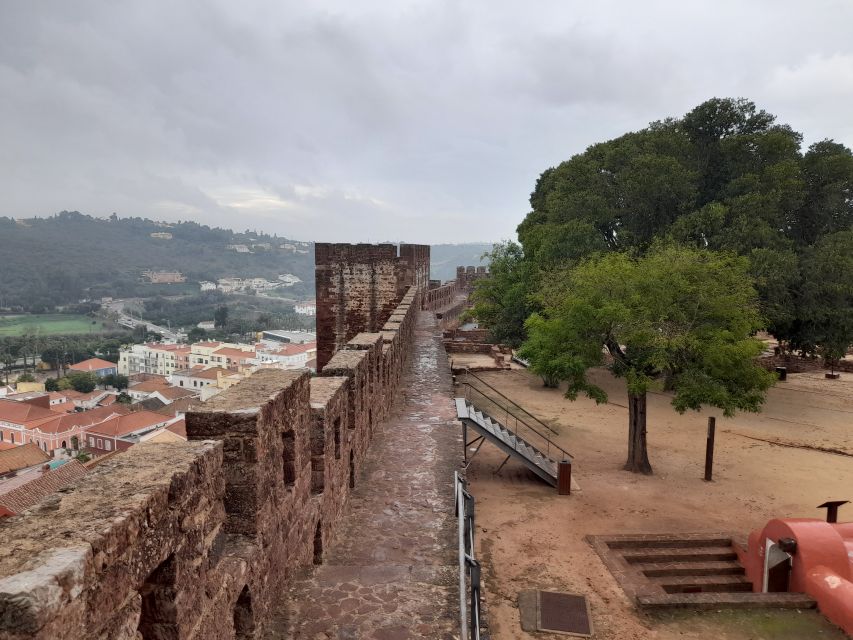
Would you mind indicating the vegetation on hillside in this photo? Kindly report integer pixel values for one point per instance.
(70, 256)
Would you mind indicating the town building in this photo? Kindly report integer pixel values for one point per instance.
(161, 235)
(207, 286)
(306, 308)
(288, 355)
(121, 432)
(163, 277)
(97, 366)
(155, 358)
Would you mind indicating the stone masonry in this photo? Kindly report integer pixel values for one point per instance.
(201, 539)
(358, 286)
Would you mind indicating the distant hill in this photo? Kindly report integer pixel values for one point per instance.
(61, 259)
(69, 256)
(444, 258)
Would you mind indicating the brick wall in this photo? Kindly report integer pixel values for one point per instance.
(198, 539)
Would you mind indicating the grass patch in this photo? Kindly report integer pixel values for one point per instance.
(48, 324)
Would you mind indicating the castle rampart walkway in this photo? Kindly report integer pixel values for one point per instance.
(392, 573)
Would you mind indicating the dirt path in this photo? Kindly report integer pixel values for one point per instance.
(529, 537)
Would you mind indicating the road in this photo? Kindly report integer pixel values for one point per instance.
(118, 307)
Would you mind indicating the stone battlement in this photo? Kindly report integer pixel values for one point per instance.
(359, 285)
(198, 539)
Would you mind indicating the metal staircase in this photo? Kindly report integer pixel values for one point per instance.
(507, 441)
(513, 433)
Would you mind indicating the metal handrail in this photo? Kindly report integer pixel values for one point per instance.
(513, 425)
(469, 568)
(469, 374)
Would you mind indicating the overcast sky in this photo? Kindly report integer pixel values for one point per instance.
(367, 121)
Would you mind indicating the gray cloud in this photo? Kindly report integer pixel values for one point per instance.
(353, 121)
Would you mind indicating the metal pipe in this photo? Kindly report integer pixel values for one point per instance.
(460, 515)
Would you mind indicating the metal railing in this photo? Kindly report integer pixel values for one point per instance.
(517, 408)
(469, 568)
(503, 413)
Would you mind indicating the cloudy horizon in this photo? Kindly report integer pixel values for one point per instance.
(427, 121)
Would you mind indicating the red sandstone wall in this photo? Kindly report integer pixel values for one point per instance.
(183, 535)
(358, 286)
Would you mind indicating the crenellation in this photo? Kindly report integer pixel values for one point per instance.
(198, 539)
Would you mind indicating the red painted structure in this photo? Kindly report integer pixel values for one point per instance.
(821, 564)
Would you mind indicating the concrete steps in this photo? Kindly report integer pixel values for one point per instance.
(677, 554)
(726, 601)
(688, 571)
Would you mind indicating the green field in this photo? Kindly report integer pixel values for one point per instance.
(48, 324)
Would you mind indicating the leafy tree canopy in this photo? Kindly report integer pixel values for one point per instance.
(679, 317)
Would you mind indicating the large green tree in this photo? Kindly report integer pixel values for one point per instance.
(502, 301)
(677, 318)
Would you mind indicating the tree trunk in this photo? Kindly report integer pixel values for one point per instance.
(638, 456)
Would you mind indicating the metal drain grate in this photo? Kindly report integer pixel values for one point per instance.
(564, 613)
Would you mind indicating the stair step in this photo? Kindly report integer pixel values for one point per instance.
(690, 554)
(657, 569)
(726, 601)
(703, 584)
(670, 543)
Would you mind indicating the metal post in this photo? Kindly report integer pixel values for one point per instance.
(709, 449)
(464, 442)
(564, 478)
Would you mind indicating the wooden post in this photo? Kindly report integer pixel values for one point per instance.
(709, 449)
(564, 478)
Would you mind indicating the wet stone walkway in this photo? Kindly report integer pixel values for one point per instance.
(392, 572)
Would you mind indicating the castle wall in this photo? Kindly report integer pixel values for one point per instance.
(358, 286)
(196, 539)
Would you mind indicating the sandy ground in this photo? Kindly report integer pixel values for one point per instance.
(529, 537)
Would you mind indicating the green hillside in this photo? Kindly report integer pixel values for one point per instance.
(46, 262)
(69, 256)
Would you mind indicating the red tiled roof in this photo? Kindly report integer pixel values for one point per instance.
(42, 486)
(149, 387)
(295, 349)
(173, 393)
(21, 457)
(93, 364)
(122, 425)
(229, 352)
(68, 421)
(207, 374)
(23, 412)
(179, 428)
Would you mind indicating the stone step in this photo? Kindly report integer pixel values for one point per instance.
(689, 568)
(660, 542)
(725, 601)
(703, 584)
(690, 554)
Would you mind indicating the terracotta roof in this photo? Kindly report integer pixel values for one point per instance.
(207, 374)
(123, 425)
(207, 344)
(228, 352)
(179, 428)
(65, 407)
(21, 457)
(22, 412)
(149, 387)
(42, 486)
(295, 349)
(93, 364)
(68, 421)
(173, 393)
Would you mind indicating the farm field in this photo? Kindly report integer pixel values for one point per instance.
(48, 324)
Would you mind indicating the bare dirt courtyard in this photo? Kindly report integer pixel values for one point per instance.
(529, 537)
